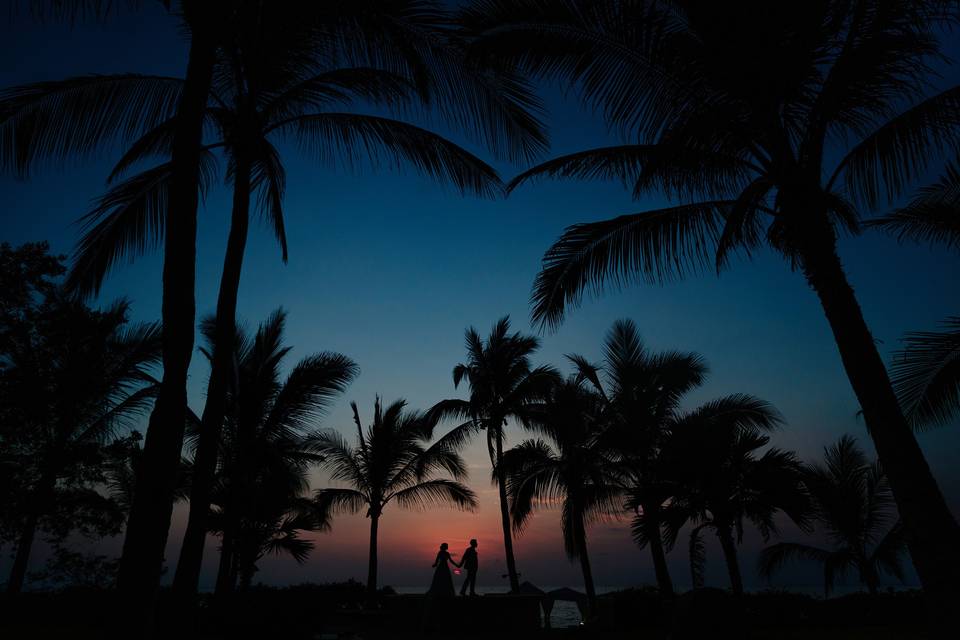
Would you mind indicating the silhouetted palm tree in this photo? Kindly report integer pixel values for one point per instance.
(70, 386)
(503, 386)
(770, 124)
(642, 391)
(392, 462)
(266, 452)
(722, 482)
(572, 468)
(853, 504)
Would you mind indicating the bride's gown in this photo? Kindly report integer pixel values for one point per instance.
(442, 584)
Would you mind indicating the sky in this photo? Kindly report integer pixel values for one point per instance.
(389, 268)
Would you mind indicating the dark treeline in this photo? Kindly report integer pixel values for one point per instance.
(781, 125)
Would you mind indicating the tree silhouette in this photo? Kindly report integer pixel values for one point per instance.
(642, 391)
(768, 126)
(393, 461)
(70, 379)
(503, 386)
(852, 502)
(722, 482)
(572, 468)
(267, 451)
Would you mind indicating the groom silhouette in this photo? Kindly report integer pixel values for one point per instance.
(470, 563)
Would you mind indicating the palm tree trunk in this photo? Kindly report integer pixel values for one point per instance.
(224, 569)
(38, 502)
(19, 570)
(205, 465)
(730, 555)
(149, 522)
(372, 565)
(932, 531)
(651, 520)
(585, 567)
(504, 509)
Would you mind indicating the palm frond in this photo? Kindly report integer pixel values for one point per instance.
(54, 121)
(437, 493)
(356, 139)
(933, 216)
(306, 394)
(126, 222)
(899, 150)
(926, 375)
(329, 502)
(654, 246)
(621, 163)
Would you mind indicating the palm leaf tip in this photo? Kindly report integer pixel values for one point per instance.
(654, 246)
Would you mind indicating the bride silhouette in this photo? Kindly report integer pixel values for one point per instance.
(442, 585)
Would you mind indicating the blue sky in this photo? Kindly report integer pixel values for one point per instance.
(390, 268)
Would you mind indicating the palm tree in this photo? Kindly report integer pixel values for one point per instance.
(503, 386)
(392, 462)
(721, 483)
(70, 383)
(266, 454)
(853, 504)
(642, 391)
(775, 125)
(572, 468)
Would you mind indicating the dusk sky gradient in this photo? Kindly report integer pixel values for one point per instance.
(389, 268)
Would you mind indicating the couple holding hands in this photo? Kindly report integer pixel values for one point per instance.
(442, 584)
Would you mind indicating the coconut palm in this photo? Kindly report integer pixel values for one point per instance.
(571, 467)
(766, 125)
(723, 482)
(265, 455)
(69, 383)
(503, 386)
(393, 461)
(853, 505)
(642, 391)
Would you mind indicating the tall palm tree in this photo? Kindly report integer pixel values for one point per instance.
(571, 467)
(722, 482)
(266, 455)
(393, 461)
(642, 391)
(69, 384)
(853, 504)
(503, 386)
(773, 125)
